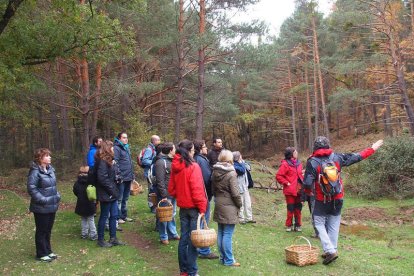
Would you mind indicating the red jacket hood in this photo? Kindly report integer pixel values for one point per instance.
(178, 163)
(322, 152)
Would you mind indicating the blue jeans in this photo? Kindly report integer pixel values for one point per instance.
(187, 253)
(224, 243)
(206, 250)
(124, 190)
(168, 229)
(108, 209)
(327, 219)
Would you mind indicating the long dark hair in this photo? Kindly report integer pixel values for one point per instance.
(183, 149)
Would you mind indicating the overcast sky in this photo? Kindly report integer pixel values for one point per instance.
(274, 12)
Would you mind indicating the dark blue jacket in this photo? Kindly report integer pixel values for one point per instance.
(91, 156)
(106, 188)
(41, 187)
(122, 156)
(204, 164)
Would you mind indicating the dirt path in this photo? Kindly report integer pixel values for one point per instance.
(161, 263)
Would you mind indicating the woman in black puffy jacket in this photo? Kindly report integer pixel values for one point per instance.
(108, 179)
(44, 202)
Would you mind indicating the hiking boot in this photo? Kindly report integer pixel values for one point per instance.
(52, 256)
(103, 243)
(210, 256)
(115, 242)
(45, 259)
(298, 229)
(164, 242)
(330, 257)
(289, 229)
(324, 255)
(121, 221)
(129, 219)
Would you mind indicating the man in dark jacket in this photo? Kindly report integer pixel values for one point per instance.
(215, 151)
(201, 159)
(96, 142)
(122, 156)
(327, 209)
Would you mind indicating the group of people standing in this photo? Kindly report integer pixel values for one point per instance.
(190, 177)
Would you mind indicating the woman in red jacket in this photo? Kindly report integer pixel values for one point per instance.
(187, 186)
(290, 176)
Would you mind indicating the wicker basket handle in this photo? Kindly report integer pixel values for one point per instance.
(164, 199)
(199, 222)
(302, 237)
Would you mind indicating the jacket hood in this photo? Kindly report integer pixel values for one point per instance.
(290, 162)
(220, 169)
(118, 143)
(177, 164)
(322, 152)
(92, 146)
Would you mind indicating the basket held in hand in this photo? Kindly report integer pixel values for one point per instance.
(203, 237)
(302, 254)
(136, 188)
(164, 213)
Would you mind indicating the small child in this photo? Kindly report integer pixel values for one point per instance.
(84, 207)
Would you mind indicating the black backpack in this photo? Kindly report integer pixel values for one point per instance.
(329, 177)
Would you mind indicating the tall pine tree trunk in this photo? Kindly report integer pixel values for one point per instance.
(201, 74)
(95, 114)
(180, 82)
(308, 103)
(292, 101)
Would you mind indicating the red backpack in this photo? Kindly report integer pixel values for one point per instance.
(141, 155)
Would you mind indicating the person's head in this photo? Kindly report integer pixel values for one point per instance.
(237, 156)
(200, 147)
(155, 140)
(225, 156)
(217, 143)
(186, 150)
(168, 148)
(291, 152)
(123, 137)
(321, 142)
(106, 152)
(96, 141)
(83, 170)
(42, 157)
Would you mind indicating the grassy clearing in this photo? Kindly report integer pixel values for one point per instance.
(368, 247)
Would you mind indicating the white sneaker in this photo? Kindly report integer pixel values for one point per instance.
(121, 221)
(129, 219)
(289, 229)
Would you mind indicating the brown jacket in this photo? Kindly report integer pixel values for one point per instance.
(226, 193)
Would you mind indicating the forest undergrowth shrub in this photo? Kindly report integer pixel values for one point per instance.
(387, 173)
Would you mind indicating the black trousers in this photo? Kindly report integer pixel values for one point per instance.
(44, 225)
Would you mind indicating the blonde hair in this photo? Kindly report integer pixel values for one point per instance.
(83, 169)
(226, 156)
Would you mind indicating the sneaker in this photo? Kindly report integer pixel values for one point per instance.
(235, 264)
(119, 229)
(104, 244)
(210, 256)
(129, 219)
(164, 242)
(52, 256)
(94, 238)
(298, 229)
(242, 222)
(121, 221)
(289, 229)
(84, 237)
(115, 242)
(45, 259)
(177, 238)
(330, 258)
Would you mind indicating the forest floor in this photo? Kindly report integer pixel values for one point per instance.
(376, 237)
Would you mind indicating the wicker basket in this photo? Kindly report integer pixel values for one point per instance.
(164, 213)
(203, 237)
(303, 254)
(153, 198)
(136, 188)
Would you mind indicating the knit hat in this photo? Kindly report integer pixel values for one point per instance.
(321, 142)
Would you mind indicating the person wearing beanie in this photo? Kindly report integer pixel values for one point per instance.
(84, 207)
(327, 209)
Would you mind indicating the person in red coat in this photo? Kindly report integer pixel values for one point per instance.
(291, 177)
(187, 186)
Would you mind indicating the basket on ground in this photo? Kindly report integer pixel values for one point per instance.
(136, 188)
(164, 213)
(302, 254)
(153, 198)
(203, 237)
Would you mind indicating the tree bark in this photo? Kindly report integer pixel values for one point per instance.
(10, 11)
(201, 74)
(292, 101)
(308, 103)
(180, 82)
(95, 114)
